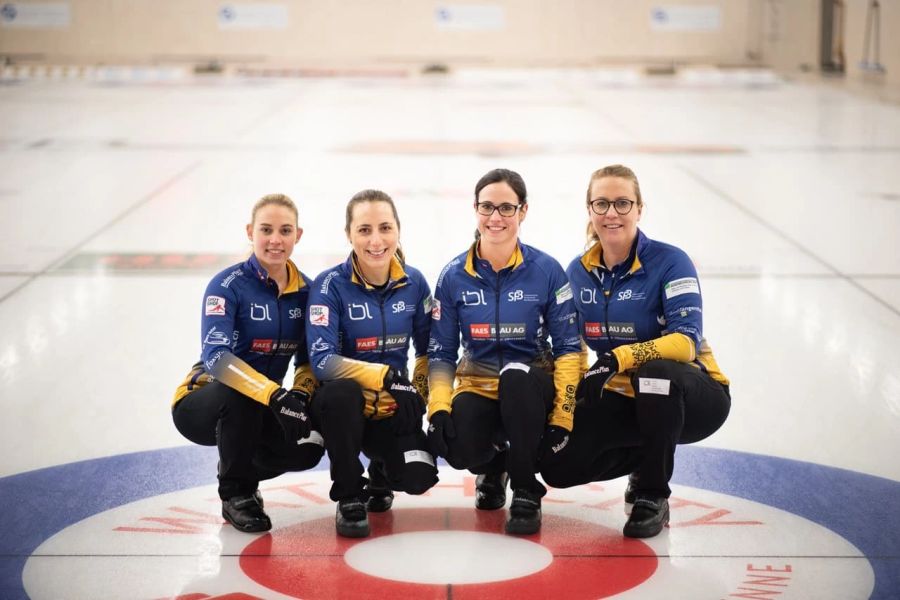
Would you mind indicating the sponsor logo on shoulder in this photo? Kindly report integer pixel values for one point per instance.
(685, 285)
(215, 306)
(214, 337)
(318, 315)
(564, 294)
(319, 346)
(436, 310)
(327, 281)
(227, 281)
(685, 310)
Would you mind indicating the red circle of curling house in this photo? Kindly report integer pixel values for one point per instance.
(589, 561)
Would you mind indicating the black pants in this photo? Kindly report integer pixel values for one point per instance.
(250, 441)
(484, 425)
(406, 463)
(615, 435)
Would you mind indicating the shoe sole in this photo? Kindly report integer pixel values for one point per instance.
(353, 531)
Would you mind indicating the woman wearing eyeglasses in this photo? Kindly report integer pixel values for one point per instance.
(655, 383)
(514, 394)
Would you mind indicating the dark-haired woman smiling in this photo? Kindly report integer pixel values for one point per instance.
(502, 301)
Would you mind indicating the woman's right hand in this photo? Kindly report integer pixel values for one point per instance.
(290, 409)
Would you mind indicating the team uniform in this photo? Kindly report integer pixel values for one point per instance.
(357, 332)
(249, 335)
(510, 381)
(646, 311)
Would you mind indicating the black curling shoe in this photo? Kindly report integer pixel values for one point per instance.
(490, 491)
(648, 517)
(524, 513)
(246, 514)
(351, 519)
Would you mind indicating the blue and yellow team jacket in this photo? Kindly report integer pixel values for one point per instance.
(647, 307)
(502, 318)
(358, 331)
(250, 332)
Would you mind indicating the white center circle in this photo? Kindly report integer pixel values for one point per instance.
(442, 557)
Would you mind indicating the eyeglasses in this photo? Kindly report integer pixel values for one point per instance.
(506, 209)
(601, 207)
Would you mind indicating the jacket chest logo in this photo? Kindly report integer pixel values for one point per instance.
(260, 312)
(473, 298)
(359, 312)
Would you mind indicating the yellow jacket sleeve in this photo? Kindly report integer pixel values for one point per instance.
(566, 372)
(674, 346)
(238, 375)
(304, 380)
(420, 376)
(440, 386)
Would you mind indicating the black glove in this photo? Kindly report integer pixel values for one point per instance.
(440, 430)
(554, 441)
(290, 408)
(591, 386)
(410, 405)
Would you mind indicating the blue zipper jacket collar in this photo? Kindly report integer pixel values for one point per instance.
(396, 277)
(295, 282)
(474, 260)
(593, 258)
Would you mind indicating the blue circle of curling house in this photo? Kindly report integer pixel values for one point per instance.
(863, 509)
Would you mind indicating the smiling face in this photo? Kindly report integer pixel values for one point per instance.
(274, 233)
(616, 232)
(374, 235)
(495, 228)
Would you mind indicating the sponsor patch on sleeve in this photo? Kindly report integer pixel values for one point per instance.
(215, 305)
(436, 310)
(563, 294)
(318, 315)
(685, 285)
